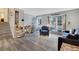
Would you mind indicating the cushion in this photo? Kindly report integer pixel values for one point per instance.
(69, 47)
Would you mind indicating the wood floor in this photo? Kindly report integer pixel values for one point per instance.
(5, 30)
(17, 45)
(26, 43)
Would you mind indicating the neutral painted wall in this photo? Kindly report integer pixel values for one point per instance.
(44, 20)
(12, 21)
(21, 16)
(28, 19)
(4, 14)
(73, 18)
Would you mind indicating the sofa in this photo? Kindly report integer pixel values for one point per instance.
(70, 42)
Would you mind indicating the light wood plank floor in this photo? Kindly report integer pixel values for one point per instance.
(26, 43)
(17, 45)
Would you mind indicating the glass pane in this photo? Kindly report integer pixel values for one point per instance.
(53, 23)
(59, 21)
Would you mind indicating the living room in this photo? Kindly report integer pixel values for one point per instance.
(39, 29)
(31, 30)
(68, 20)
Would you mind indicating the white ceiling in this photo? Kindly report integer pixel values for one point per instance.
(41, 11)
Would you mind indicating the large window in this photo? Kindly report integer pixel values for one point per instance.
(57, 22)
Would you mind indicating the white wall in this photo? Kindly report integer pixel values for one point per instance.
(28, 19)
(12, 21)
(4, 14)
(44, 20)
(21, 16)
(73, 18)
